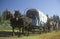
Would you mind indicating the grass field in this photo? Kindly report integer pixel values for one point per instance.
(50, 35)
(6, 35)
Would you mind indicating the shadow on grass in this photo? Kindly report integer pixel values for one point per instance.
(8, 34)
(18, 34)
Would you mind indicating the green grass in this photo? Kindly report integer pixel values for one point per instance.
(5, 27)
(51, 35)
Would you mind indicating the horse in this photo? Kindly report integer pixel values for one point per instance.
(14, 23)
(20, 22)
(25, 24)
(50, 25)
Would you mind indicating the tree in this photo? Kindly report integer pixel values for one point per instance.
(56, 18)
(0, 18)
(6, 14)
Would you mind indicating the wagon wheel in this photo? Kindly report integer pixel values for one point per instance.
(40, 30)
(46, 29)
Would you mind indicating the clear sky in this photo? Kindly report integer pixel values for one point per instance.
(49, 7)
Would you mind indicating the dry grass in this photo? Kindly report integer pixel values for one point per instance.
(51, 35)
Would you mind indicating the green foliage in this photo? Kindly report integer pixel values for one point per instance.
(0, 18)
(5, 25)
(56, 18)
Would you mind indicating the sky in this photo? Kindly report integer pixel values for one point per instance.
(49, 7)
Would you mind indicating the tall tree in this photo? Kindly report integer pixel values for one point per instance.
(56, 18)
(0, 18)
(6, 14)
